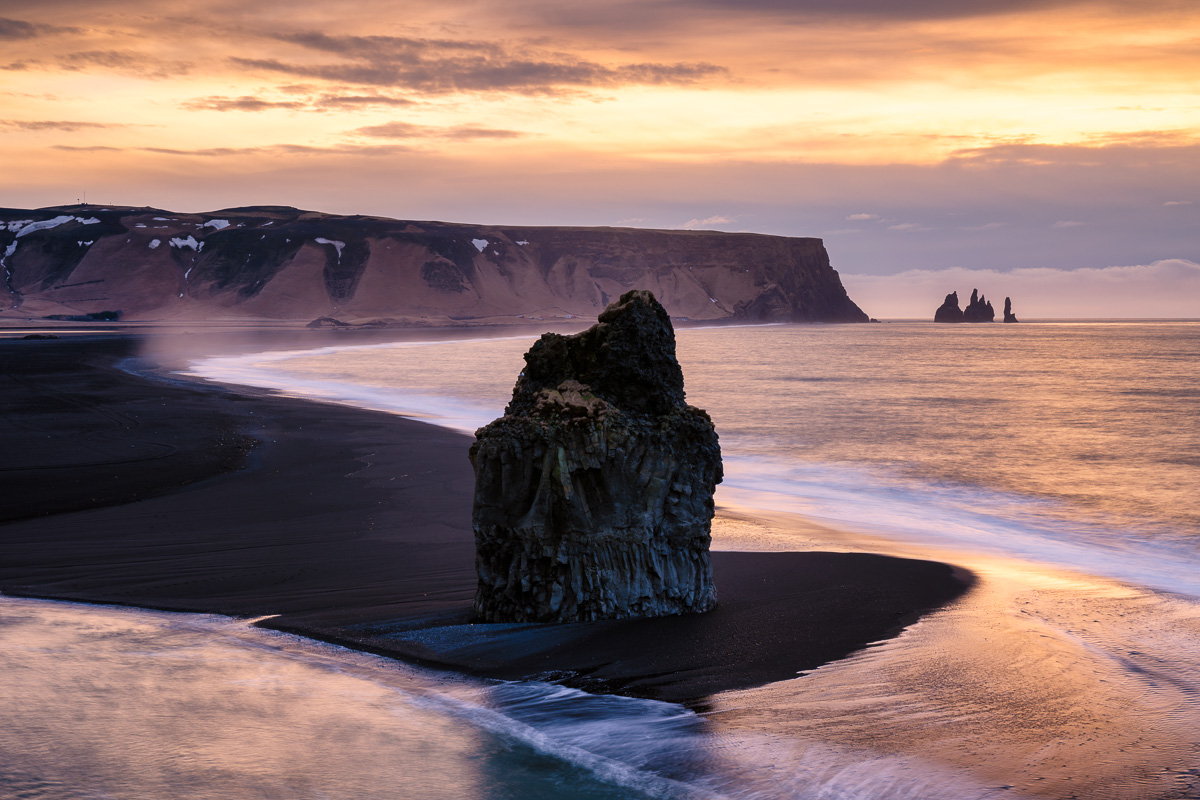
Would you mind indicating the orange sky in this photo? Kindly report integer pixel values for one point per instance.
(919, 135)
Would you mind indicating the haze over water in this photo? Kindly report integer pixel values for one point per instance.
(1055, 461)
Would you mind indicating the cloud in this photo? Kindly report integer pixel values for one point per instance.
(694, 224)
(237, 152)
(862, 217)
(344, 101)
(440, 66)
(243, 103)
(1162, 289)
(1068, 223)
(19, 29)
(408, 130)
(127, 62)
(1178, 203)
(321, 103)
(841, 231)
(987, 226)
(643, 15)
(910, 227)
(55, 125)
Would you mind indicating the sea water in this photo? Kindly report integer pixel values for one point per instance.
(1057, 462)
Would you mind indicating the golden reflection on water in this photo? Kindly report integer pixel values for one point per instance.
(1052, 682)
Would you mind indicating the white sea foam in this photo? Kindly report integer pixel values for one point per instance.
(480, 244)
(872, 498)
(217, 224)
(190, 243)
(154, 243)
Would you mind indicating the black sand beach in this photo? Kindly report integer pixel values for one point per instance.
(354, 526)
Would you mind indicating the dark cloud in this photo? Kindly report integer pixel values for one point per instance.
(19, 29)
(517, 75)
(243, 103)
(229, 152)
(640, 16)
(407, 130)
(55, 125)
(886, 9)
(92, 148)
(436, 66)
(324, 102)
(342, 101)
(126, 61)
(391, 48)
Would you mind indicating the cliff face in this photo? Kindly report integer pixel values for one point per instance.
(594, 491)
(286, 264)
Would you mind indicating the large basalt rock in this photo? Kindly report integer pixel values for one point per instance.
(594, 492)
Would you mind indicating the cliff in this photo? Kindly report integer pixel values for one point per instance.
(594, 491)
(282, 263)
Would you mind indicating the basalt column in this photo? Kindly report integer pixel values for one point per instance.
(594, 491)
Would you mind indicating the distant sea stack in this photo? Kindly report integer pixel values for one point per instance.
(281, 263)
(1009, 316)
(594, 491)
(978, 310)
(949, 310)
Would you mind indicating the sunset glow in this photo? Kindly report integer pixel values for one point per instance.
(1025, 134)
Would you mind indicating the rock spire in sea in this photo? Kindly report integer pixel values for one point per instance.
(978, 310)
(594, 491)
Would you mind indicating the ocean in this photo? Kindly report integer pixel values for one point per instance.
(1059, 462)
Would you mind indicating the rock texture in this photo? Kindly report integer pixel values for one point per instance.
(594, 491)
(1009, 316)
(978, 310)
(280, 263)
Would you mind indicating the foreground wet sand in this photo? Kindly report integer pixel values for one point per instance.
(354, 526)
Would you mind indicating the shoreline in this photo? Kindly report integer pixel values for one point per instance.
(353, 526)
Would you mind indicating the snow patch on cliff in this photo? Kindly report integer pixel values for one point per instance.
(336, 245)
(189, 242)
(47, 224)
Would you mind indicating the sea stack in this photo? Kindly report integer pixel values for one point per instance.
(979, 309)
(594, 491)
(949, 310)
(1009, 316)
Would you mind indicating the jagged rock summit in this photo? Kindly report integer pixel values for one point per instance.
(594, 491)
(978, 310)
(949, 310)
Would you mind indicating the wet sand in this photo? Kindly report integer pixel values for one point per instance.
(353, 526)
